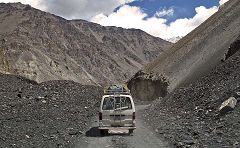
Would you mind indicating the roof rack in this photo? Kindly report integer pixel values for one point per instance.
(116, 89)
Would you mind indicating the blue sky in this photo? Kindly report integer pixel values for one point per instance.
(182, 8)
(167, 19)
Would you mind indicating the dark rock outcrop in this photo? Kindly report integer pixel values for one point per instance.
(149, 87)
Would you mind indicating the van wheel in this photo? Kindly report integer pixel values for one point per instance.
(103, 132)
(131, 132)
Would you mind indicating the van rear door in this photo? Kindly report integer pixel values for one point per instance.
(118, 110)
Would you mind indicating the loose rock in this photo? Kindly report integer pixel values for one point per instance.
(228, 105)
(44, 119)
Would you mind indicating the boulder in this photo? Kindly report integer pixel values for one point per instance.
(228, 105)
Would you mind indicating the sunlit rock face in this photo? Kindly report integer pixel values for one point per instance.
(43, 47)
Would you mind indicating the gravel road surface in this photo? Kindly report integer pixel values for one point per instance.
(143, 136)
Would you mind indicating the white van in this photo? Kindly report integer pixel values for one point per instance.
(117, 110)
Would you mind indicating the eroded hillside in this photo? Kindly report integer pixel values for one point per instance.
(192, 57)
(191, 116)
(42, 47)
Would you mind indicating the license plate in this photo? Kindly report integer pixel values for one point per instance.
(117, 118)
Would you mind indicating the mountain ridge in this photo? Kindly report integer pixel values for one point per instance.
(42, 46)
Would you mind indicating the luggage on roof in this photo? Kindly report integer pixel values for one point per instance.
(117, 89)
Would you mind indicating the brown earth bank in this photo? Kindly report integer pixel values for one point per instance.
(190, 116)
(192, 57)
(43, 47)
(49, 114)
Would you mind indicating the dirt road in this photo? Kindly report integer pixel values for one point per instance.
(143, 137)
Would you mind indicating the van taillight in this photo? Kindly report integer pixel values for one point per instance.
(100, 115)
(134, 116)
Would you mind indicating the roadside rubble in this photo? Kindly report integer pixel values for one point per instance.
(203, 114)
(50, 114)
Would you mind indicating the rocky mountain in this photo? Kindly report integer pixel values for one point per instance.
(42, 47)
(191, 57)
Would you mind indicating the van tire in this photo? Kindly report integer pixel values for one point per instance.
(130, 131)
(103, 132)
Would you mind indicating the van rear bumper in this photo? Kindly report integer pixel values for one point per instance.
(116, 128)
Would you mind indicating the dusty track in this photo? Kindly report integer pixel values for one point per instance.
(143, 137)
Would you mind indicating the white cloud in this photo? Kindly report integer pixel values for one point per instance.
(133, 17)
(222, 1)
(164, 12)
(74, 9)
(181, 27)
(81, 9)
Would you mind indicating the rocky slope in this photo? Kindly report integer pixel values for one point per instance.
(191, 57)
(50, 114)
(43, 47)
(190, 116)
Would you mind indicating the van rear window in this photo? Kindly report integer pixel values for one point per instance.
(116, 103)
